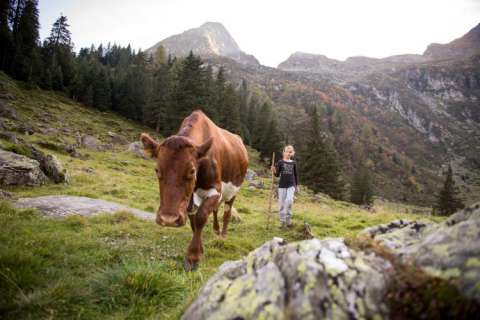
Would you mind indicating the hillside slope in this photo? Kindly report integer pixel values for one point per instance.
(117, 266)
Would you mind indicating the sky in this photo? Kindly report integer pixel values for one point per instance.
(271, 30)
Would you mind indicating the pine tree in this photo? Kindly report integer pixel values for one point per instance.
(261, 125)
(231, 115)
(271, 141)
(6, 40)
(362, 187)
(155, 112)
(251, 118)
(102, 91)
(26, 60)
(160, 57)
(60, 35)
(219, 96)
(57, 53)
(448, 201)
(320, 168)
(189, 92)
(243, 107)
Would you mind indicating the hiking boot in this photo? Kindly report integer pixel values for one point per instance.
(283, 226)
(290, 224)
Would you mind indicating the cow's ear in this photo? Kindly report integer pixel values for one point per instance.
(150, 146)
(203, 149)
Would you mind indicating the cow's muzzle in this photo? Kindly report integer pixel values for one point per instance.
(177, 220)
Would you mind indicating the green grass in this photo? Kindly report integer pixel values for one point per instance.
(118, 267)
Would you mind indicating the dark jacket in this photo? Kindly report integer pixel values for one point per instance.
(287, 171)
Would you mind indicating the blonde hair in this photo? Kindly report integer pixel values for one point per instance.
(288, 146)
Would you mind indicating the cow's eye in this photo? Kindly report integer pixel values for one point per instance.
(191, 174)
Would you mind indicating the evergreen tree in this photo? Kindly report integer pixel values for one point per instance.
(362, 187)
(261, 125)
(189, 92)
(243, 107)
(448, 201)
(320, 168)
(155, 112)
(58, 56)
(133, 93)
(160, 57)
(26, 59)
(6, 41)
(231, 115)
(60, 35)
(219, 96)
(251, 117)
(102, 91)
(271, 140)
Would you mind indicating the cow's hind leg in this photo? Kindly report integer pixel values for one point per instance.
(216, 226)
(227, 213)
(195, 249)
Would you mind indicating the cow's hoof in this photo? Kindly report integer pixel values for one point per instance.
(190, 266)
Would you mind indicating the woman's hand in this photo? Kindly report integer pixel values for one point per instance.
(272, 168)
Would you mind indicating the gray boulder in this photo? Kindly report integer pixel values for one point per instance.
(137, 149)
(251, 175)
(49, 164)
(18, 170)
(450, 249)
(61, 206)
(10, 137)
(256, 184)
(7, 111)
(311, 279)
(91, 143)
(54, 169)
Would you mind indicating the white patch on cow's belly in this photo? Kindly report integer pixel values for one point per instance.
(229, 190)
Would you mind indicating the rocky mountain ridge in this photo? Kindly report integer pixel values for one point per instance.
(209, 40)
(357, 67)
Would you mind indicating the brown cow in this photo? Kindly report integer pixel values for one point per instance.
(201, 165)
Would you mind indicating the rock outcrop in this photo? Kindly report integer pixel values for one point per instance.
(17, 170)
(326, 279)
(60, 206)
(448, 250)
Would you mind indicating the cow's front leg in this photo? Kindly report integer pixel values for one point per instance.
(226, 216)
(216, 226)
(195, 249)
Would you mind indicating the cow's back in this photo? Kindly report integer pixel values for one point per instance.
(227, 149)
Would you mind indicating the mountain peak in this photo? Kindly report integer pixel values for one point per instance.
(209, 40)
(213, 24)
(463, 47)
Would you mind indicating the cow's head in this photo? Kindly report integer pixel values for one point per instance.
(176, 168)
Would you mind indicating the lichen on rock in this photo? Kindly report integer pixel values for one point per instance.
(304, 280)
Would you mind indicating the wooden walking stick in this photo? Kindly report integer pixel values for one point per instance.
(269, 217)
